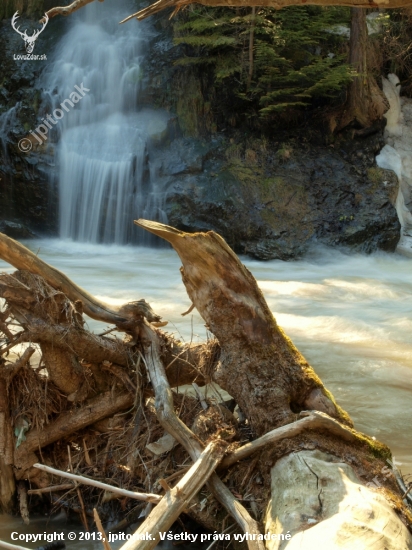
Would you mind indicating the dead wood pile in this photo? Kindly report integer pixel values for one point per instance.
(110, 407)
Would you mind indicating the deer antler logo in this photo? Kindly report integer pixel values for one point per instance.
(29, 41)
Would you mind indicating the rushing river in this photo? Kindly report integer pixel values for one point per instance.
(351, 316)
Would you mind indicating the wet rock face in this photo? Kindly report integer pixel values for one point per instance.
(277, 203)
(268, 199)
(25, 195)
(15, 230)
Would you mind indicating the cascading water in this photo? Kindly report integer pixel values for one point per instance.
(103, 171)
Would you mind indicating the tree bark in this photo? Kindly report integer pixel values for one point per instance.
(251, 46)
(259, 366)
(7, 483)
(271, 382)
(319, 500)
(365, 103)
(95, 409)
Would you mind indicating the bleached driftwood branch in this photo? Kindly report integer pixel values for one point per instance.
(177, 499)
(161, 5)
(313, 420)
(146, 497)
(67, 10)
(175, 427)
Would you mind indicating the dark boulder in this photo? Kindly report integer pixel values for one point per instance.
(277, 204)
(16, 230)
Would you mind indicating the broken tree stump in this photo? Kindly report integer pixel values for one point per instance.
(271, 382)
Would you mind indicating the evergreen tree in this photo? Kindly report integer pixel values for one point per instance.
(273, 59)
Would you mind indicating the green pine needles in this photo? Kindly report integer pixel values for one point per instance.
(271, 59)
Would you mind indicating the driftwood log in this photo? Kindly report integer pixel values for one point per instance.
(160, 5)
(291, 463)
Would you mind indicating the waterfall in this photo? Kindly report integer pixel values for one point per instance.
(103, 168)
(8, 121)
(396, 155)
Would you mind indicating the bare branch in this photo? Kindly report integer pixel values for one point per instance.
(145, 497)
(175, 427)
(313, 420)
(161, 5)
(22, 258)
(67, 10)
(95, 409)
(177, 499)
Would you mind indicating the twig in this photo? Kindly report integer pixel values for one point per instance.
(146, 497)
(107, 331)
(402, 485)
(99, 526)
(224, 531)
(9, 371)
(177, 474)
(406, 493)
(86, 453)
(191, 308)
(18, 340)
(79, 494)
(164, 485)
(24, 511)
(200, 396)
(5, 330)
(121, 375)
(67, 10)
(177, 499)
(51, 489)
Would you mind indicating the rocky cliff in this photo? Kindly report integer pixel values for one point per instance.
(269, 196)
(31, 8)
(274, 200)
